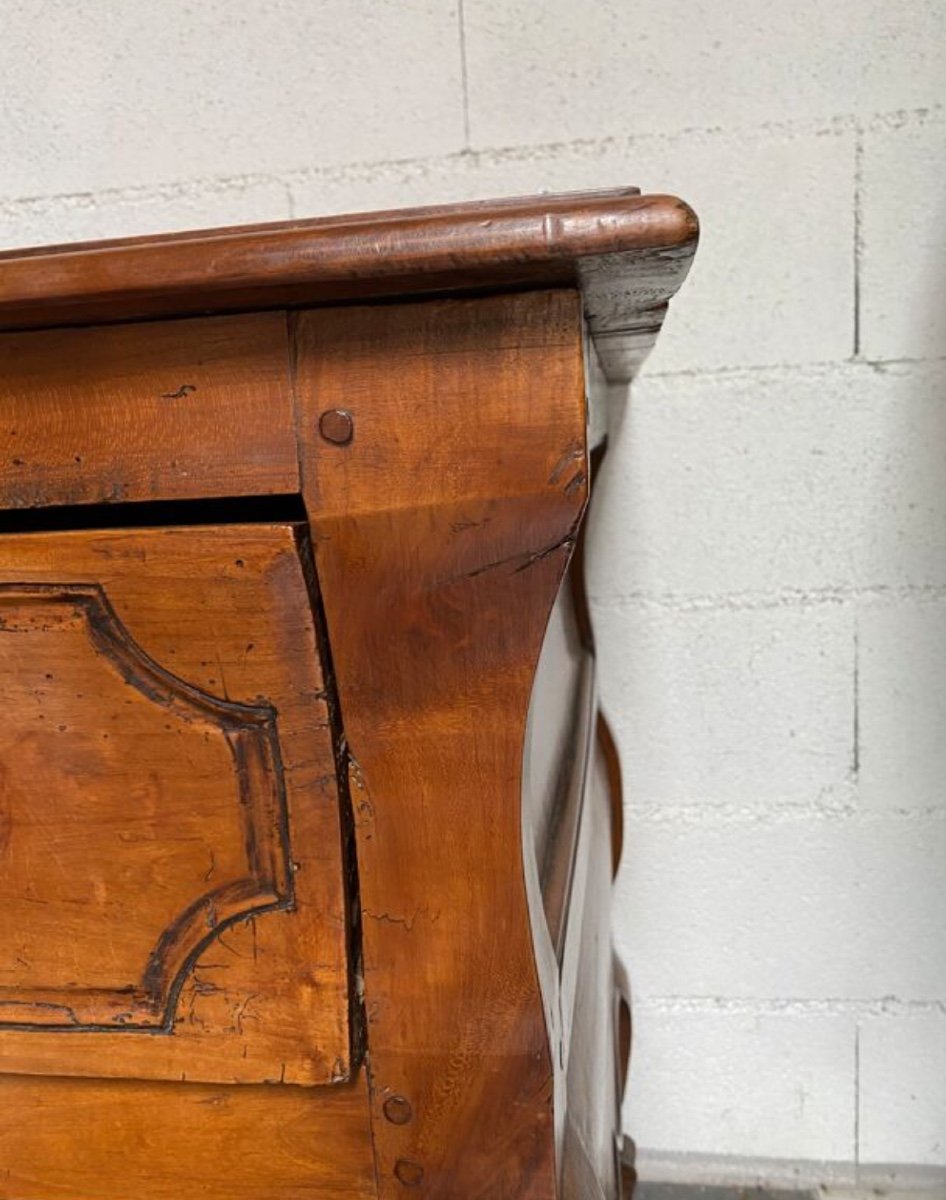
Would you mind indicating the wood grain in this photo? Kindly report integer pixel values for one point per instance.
(442, 532)
(307, 810)
(93, 733)
(77, 1139)
(159, 411)
(626, 252)
(171, 867)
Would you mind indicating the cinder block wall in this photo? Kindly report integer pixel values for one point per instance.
(770, 555)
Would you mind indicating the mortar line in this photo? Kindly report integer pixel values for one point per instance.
(719, 814)
(464, 74)
(857, 1095)
(858, 199)
(856, 731)
(837, 365)
(841, 123)
(858, 1007)
(791, 599)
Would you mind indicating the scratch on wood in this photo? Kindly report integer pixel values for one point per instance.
(574, 483)
(240, 1014)
(565, 543)
(43, 1006)
(226, 945)
(407, 922)
(573, 452)
(460, 526)
(204, 987)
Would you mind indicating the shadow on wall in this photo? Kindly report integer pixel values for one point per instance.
(907, 558)
(901, 722)
(873, 955)
(901, 614)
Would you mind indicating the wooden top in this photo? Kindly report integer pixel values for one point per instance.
(627, 252)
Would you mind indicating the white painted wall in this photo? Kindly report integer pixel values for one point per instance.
(770, 566)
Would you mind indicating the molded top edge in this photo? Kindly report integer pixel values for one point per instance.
(587, 239)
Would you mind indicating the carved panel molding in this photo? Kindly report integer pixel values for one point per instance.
(140, 816)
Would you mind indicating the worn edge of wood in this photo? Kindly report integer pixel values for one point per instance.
(628, 253)
(357, 1024)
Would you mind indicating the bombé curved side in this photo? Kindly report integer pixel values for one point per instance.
(442, 530)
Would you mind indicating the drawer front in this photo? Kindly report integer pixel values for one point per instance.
(171, 875)
(159, 411)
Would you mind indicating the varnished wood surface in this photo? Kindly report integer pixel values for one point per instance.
(445, 471)
(442, 530)
(326, 809)
(167, 410)
(78, 1139)
(628, 253)
(171, 877)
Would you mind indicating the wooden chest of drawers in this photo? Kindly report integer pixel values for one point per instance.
(307, 814)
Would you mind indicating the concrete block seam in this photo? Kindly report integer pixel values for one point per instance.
(474, 159)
